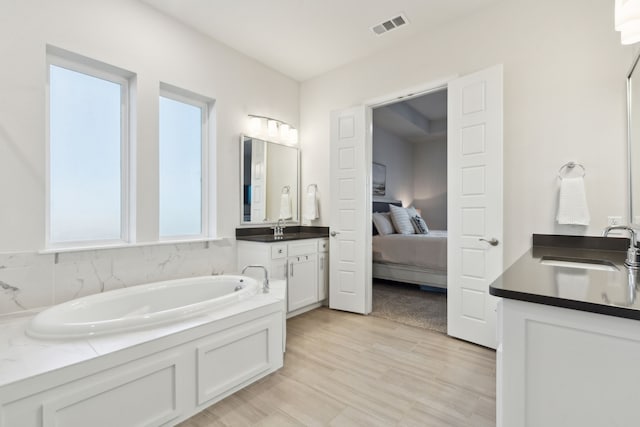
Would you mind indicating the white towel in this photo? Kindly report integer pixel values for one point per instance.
(311, 205)
(572, 205)
(285, 206)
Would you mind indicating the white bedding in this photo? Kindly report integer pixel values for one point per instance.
(421, 250)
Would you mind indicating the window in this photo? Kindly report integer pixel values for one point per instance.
(87, 152)
(183, 164)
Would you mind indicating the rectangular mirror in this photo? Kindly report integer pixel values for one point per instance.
(268, 181)
(633, 138)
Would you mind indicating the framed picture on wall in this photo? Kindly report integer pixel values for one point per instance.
(379, 178)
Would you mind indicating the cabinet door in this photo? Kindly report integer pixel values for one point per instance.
(323, 276)
(303, 281)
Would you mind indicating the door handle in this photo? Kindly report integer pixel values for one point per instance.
(334, 233)
(492, 242)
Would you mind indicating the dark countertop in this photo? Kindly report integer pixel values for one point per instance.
(265, 234)
(612, 293)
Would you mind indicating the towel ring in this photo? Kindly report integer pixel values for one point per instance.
(569, 166)
(286, 189)
(310, 186)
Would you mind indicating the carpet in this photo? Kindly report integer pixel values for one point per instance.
(409, 305)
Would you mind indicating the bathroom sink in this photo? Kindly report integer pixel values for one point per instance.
(581, 263)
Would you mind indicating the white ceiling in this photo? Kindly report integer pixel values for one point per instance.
(420, 119)
(305, 38)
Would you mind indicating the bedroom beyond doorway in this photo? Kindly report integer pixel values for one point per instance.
(409, 172)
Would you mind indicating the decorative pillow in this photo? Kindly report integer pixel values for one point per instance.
(382, 221)
(401, 220)
(418, 223)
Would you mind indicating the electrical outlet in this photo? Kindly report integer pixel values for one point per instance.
(614, 220)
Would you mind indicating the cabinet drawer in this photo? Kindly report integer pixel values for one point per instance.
(278, 251)
(323, 245)
(302, 248)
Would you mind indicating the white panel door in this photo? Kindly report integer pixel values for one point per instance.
(350, 243)
(474, 204)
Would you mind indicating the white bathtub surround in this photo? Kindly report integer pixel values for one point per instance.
(22, 277)
(41, 281)
(174, 366)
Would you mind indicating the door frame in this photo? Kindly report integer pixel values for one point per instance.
(369, 105)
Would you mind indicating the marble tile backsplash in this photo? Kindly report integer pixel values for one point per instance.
(31, 280)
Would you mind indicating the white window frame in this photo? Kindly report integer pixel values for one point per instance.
(71, 61)
(207, 183)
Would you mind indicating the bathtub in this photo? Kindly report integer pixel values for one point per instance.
(178, 367)
(140, 307)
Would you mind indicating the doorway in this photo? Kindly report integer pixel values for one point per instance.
(474, 204)
(409, 169)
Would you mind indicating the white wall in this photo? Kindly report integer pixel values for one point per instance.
(396, 154)
(564, 99)
(430, 181)
(416, 174)
(130, 35)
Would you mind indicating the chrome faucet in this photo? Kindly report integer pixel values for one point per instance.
(278, 230)
(633, 253)
(265, 282)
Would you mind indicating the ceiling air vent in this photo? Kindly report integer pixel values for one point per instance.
(389, 25)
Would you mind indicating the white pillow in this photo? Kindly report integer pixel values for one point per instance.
(401, 220)
(382, 221)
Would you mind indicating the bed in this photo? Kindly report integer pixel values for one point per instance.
(410, 258)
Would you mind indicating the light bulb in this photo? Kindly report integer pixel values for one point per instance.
(627, 20)
(255, 125)
(272, 127)
(284, 131)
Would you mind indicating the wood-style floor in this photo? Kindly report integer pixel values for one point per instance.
(344, 369)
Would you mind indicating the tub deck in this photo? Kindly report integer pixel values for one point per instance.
(23, 357)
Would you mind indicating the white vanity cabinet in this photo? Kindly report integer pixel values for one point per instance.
(558, 367)
(302, 263)
(302, 285)
(272, 255)
(323, 269)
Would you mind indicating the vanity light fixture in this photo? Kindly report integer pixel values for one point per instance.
(273, 129)
(627, 20)
(255, 125)
(284, 131)
(272, 126)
